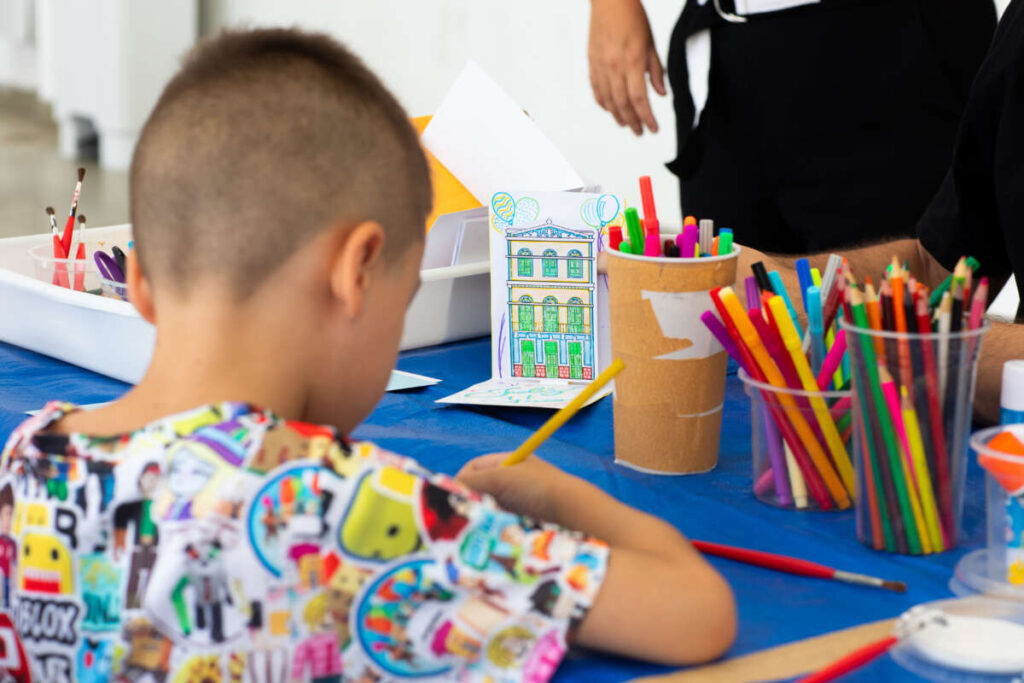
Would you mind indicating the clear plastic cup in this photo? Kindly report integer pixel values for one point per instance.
(80, 275)
(114, 289)
(778, 478)
(911, 434)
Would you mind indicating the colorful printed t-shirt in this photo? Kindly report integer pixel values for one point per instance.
(227, 544)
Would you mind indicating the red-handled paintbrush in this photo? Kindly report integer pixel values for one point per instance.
(793, 565)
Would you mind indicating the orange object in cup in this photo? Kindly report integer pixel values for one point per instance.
(1009, 472)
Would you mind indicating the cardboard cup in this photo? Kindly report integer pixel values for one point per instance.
(668, 399)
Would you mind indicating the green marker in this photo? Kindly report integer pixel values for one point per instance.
(725, 244)
(636, 233)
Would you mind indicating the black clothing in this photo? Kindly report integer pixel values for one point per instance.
(828, 124)
(979, 210)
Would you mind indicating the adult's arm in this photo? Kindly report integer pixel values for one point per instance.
(621, 55)
(1002, 343)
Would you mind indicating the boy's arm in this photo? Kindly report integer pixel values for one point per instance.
(660, 600)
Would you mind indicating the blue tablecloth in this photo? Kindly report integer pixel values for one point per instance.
(774, 608)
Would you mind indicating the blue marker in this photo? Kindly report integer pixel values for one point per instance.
(803, 272)
(780, 289)
(816, 328)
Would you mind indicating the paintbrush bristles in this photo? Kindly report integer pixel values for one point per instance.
(81, 174)
(896, 586)
(50, 211)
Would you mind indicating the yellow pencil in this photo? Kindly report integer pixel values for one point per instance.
(924, 482)
(791, 340)
(563, 415)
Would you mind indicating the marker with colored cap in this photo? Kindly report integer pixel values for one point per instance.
(724, 241)
(636, 233)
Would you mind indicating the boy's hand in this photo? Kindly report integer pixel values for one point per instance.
(622, 55)
(531, 488)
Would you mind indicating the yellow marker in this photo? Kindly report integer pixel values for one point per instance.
(771, 373)
(563, 415)
(791, 340)
(924, 482)
(796, 480)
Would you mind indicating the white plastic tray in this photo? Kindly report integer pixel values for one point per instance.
(107, 336)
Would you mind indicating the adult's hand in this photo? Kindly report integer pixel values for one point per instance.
(622, 55)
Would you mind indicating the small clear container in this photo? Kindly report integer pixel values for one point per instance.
(784, 421)
(80, 275)
(113, 289)
(913, 394)
(998, 568)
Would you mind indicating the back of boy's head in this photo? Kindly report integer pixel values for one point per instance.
(262, 140)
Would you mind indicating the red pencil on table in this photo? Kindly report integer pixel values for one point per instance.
(793, 565)
(851, 662)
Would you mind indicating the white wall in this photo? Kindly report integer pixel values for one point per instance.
(536, 49)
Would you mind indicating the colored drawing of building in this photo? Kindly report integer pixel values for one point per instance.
(551, 278)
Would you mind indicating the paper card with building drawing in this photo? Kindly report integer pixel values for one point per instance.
(549, 305)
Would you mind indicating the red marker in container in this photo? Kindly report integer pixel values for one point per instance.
(647, 199)
(614, 237)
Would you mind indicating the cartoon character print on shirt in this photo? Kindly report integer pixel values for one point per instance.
(148, 652)
(444, 513)
(286, 526)
(95, 661)
(397, 596)
(380, 522)
(14, 663)
(8, 546)
(198, 467)
(500, 543)
(135, 533)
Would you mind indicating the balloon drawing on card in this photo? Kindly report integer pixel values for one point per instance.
(503, 208)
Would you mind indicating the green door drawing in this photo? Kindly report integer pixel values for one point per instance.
(576, 315)
(551, 358)
(550, 314)
(528, 359)
(575, 360)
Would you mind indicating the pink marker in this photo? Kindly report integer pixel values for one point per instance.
(687, 240)
(832, 360)
(652, 246)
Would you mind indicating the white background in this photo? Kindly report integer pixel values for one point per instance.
(535, 49)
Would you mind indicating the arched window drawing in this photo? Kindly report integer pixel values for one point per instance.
(524, 264)
(576, 315)
(525, 313)
(550, 263)
(575, 264)
(550, 314)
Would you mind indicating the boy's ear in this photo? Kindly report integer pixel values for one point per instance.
(355, 264)
(139, 292)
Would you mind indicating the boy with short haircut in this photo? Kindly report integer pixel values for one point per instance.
(278, 200)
